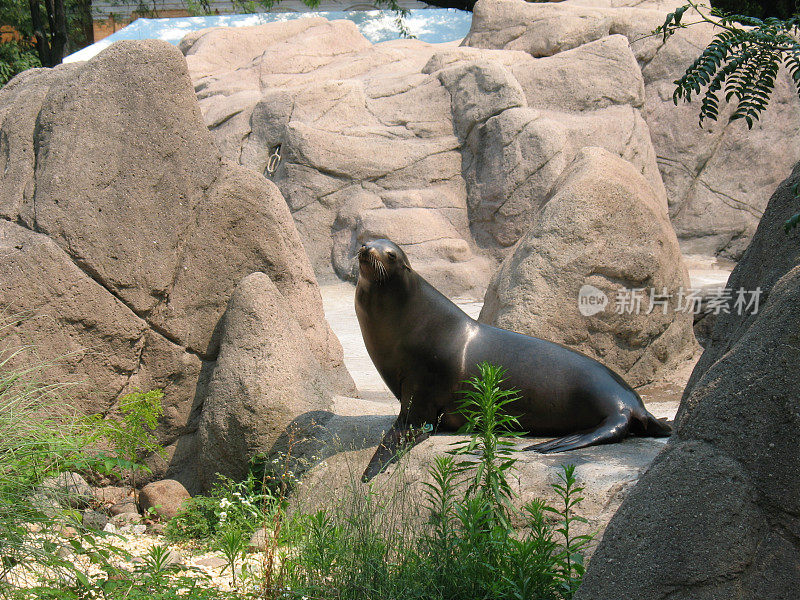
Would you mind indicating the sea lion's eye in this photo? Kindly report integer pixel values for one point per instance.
(390, 254)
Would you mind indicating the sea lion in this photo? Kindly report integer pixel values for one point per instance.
(425, 347)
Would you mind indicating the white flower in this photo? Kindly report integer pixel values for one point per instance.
(222, 516)
(224, 503)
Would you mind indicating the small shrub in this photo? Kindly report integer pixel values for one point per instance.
(230, 506)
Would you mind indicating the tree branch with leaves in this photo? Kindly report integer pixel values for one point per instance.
(741, 62)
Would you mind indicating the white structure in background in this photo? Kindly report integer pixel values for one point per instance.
(123, 11)
(434, 25)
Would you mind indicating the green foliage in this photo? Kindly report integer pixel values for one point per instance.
(39, 438)
(781, 9)
(239, 507)
(130, 437)
(233, 546)
(741, 61)
(483, 407)
(459, 544)
(16, 57)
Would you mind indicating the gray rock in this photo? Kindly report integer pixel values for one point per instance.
(96, 520)
(602, 226)
(68, 489)
(123, 519)
(716, 515)
(112, 494)
(607, 472)
(258, 541)
(126, 506)
(166, 497)
(770, 255)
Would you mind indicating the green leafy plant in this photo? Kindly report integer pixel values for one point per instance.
(40, 437)
(571, 558)
(233, 547)
(230, 506)
(741, 61)
(483, 406)
(16, 57)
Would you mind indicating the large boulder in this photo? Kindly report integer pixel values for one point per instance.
(713, 209)
(124, 232)
(265, 377)
(770, 255)
(716, 516)
(398, 140)
(522, 120)
(604, 227)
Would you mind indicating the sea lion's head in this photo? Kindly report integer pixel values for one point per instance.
(381, 260)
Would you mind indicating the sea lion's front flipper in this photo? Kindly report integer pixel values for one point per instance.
(400, 438)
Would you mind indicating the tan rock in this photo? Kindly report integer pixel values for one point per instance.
(166, 497)
(265, 389)
(601, 226)
(124, 240)
(713, 208)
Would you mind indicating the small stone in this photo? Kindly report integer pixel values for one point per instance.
(125, 506)
(123, 519)
(258, 540)
(110, 528)
(113, 494)
(68, 532)
(93, 519)
(166, 497)
(214, 562)
(138, 529)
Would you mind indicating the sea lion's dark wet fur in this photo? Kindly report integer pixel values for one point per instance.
(425, 347)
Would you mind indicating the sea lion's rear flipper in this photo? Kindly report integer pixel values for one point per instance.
(656, 427)
(612, 429)
(400, 438)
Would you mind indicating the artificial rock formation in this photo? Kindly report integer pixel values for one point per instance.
(124, 232)
(771, 255)
(264, 378)
(713, 208)
(717, 514)
(603, 226)
(411, 141)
